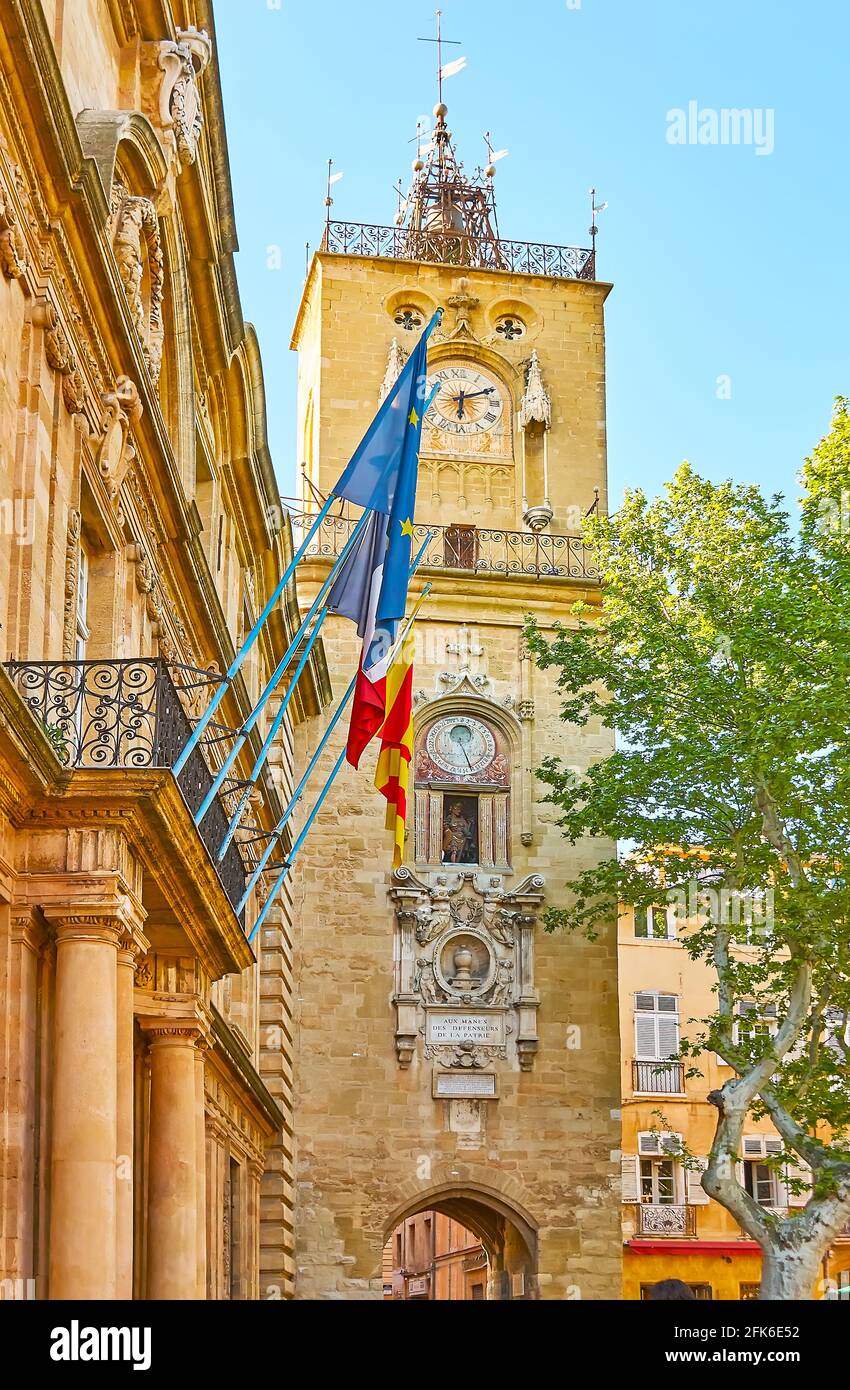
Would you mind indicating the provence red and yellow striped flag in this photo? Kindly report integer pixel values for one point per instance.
(393, 771)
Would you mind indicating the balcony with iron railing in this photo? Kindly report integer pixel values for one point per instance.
(658, 1078)
(661, 1219)
(469, 549)
(130, 713)
(457, 248)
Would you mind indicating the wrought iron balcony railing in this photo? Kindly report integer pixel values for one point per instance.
(660, 1219)
(455, 248)
(510, 554)
(130, 714)
(658, 1078)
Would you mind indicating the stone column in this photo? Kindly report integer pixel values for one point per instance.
(20, 1037)
(200, 1172)
(131, 946)
(82, 1263)
(172, 1162)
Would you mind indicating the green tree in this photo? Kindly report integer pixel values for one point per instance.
(722, 661)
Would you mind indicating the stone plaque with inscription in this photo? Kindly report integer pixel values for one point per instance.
(483, 1028)
(463, 1084)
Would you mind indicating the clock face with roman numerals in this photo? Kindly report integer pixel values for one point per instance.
(468, 402)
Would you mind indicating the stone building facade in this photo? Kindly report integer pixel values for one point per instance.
(450, 1055)
(145, 1142)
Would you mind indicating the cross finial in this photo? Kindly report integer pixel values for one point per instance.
(439, 41)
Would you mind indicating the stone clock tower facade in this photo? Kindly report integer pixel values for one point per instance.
(450, 1054)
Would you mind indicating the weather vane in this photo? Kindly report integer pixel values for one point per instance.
(451, 68)
(595, 209)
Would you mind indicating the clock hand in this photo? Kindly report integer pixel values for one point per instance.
(460, 400)
(488, 391)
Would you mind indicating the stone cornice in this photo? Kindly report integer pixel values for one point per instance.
(146, 805)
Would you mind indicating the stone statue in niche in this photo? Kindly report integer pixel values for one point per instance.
(460, 830)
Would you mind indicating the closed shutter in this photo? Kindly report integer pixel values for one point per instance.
(630, 1178)
(696, 1195)
(753, 1146)
(656, 1025)
(668, 1036)
(804, 1174)
(645, 1035)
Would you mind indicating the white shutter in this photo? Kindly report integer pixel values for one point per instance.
(696, 1195)
(671, 1143)
(739, 1173)
(801, 1171)
(772, 1146)
(753, 1146)
(649, 1143)
(646, 1038)
(668, 1036)
(629, 1178)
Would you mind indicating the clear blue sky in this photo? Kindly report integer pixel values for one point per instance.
(724, 262)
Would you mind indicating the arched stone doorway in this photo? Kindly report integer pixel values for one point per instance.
(507, 1236)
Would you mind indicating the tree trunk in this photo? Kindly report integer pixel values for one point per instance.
(789, 1273)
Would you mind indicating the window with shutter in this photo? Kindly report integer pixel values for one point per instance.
(656, 1026)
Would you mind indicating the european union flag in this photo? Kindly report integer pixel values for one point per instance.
(375, 472)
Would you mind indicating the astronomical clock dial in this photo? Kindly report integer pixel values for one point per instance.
(461, 746)
(467, 403)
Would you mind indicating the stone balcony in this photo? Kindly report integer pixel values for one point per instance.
(131, 713)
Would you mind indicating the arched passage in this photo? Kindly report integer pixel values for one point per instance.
(508, 1237)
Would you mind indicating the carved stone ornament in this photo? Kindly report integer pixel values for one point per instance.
(183, 64)
(114, 450)
(465, 961)
(60, 356)
(395, 362)
(13, 246)
(535, 403)
(463, 304)
(72, 572)
(137, 249)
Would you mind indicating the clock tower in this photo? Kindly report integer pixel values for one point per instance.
(451, 1054)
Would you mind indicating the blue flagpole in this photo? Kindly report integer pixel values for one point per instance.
(249, 641)
(296, 795)
(277, 673)
(271, 735)
(305, 830)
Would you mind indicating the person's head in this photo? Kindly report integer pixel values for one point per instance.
(670, 1289)
(456, 808)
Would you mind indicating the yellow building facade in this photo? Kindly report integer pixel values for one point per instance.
(142, 1149)
(671, 1229)
(451, 1056)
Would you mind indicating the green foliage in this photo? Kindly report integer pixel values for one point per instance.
(722, 661)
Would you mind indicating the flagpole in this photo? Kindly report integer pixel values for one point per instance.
(240, 656)
(305, 829)
(271, 735)
(296, 795)
(249, 723)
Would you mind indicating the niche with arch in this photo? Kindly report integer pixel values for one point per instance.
(462, 786)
